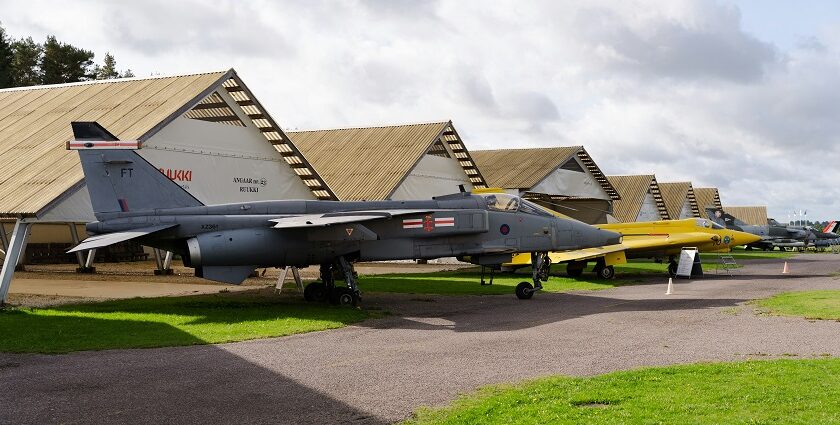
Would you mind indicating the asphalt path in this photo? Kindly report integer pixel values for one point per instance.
(430, 350)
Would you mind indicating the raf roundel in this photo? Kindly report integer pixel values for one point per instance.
(504, 229)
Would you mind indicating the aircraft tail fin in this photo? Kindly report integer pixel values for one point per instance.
(120, 180)
(831, 227)
(726, 220)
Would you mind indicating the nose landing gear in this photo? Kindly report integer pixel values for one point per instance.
(541, 266)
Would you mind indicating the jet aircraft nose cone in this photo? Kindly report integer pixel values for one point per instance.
(741, 238)
(591, 237)
(610, 238)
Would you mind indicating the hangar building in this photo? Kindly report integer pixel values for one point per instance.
(563, 178)
(207, 132)
(412, 161)
(755, 215)
(707, 197)
(679, 200)
(641, 199)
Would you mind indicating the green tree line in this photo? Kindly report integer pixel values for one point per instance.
(23, 62)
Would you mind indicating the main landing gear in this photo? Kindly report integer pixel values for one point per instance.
(325, 290)
(541, 265)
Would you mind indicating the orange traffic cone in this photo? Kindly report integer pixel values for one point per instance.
(786, 269)
(670, 287)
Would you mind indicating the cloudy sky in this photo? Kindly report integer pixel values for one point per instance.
(738, 94)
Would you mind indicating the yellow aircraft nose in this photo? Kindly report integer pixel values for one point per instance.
(735, 238)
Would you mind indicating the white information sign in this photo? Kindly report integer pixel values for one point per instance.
(687, 256)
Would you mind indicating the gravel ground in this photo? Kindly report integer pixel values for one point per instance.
(429, 351)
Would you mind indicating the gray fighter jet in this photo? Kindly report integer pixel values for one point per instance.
(133, 200)
(774, 234)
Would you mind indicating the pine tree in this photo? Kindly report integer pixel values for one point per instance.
(65, 63)
(6, 56)
(108, 69)
(25, 63)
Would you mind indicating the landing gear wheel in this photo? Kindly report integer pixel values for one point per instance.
(607, 272)
(315, 291)
(344, 296)
(672, 269)
(524, 291)
(574, 269)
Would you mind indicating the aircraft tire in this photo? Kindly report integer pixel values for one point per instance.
(315, 291)
(574, 269)
(607, 272)
(672, 269)
(524, 291)
(344, 297)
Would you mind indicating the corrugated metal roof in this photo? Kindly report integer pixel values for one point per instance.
(524, 168)
(369, 163)
(707, 197)
(633, 190)
(35, 124)
(674, 194)
(755, 215)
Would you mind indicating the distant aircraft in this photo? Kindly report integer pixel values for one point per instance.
(133, 200)
(774, 234)
(653, 239)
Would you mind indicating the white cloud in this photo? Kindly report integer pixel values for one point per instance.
(675, 87)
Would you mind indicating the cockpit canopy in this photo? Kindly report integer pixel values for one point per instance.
(505, 202)
(708, 224)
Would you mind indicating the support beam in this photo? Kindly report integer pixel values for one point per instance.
(163, 259)
(90, 257)
(22, 257)
(282, 279)
(17, 245)
(74, 234)
(167, 261)
(158, 259)
(84, 267)
(4, 239)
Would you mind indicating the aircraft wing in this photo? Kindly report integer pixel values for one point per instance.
(327, 219)
(106, 239)
(666, 241)
(629, 244)
(632, 243)
(584, 254)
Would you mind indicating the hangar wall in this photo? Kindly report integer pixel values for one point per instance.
(686, 212)
(219, 163)
(571, 183)
(75, 208)
(649, 210)
(433, 176)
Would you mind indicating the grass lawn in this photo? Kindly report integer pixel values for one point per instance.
(466, 282)
(753, 392)
(823, 304)
(167, 321)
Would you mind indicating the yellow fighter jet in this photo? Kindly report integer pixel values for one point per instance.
(653, 239)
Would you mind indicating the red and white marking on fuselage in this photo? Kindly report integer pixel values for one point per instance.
(445, 222)
(418, 223)
(413, 223)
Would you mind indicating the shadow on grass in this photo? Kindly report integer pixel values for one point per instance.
(167, 321)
